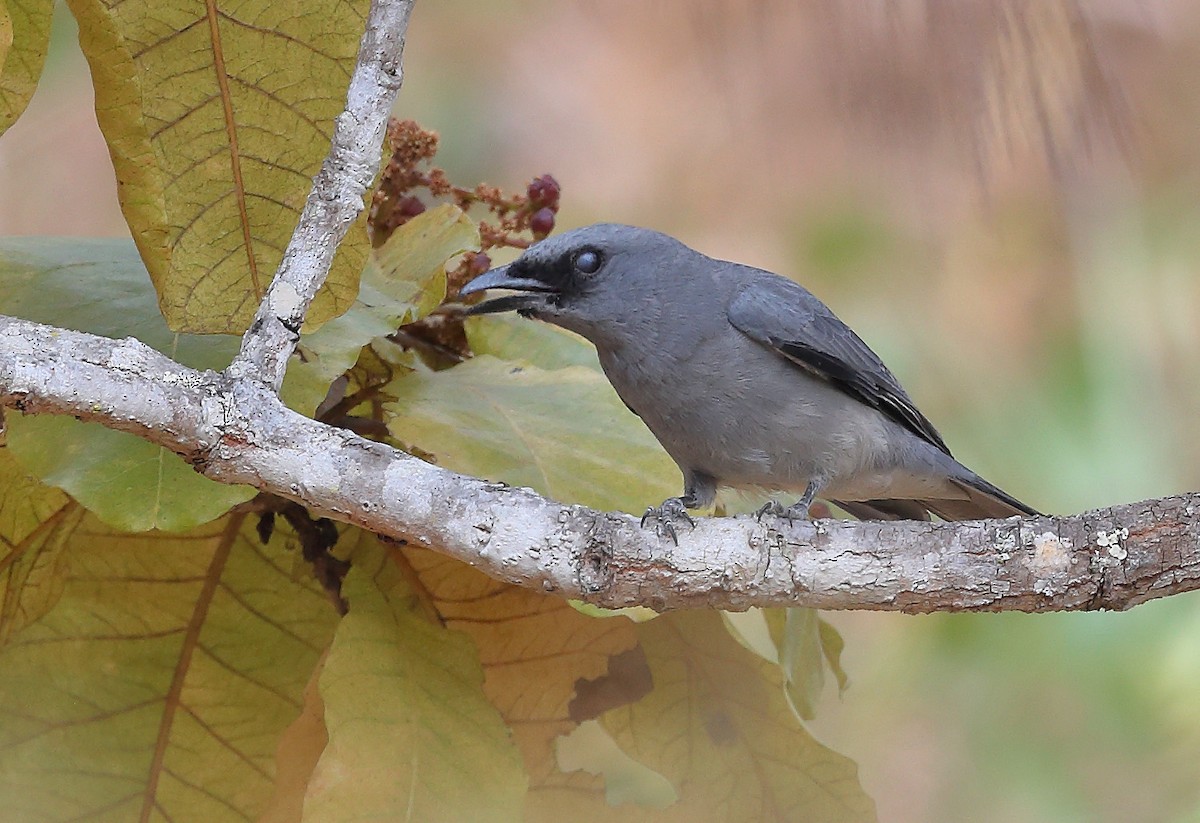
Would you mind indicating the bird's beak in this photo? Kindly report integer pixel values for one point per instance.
(499, 278)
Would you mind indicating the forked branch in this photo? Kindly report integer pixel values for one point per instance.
(233, 428)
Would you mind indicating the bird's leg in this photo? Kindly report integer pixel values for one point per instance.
(698, 492)
(796, 511)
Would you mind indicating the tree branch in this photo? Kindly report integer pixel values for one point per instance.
(233, 428)
(336, 199)
(237, 431)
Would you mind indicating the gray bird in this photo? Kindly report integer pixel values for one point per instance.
(745, 378)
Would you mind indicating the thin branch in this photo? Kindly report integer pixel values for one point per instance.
(336, 199)
(237, 431)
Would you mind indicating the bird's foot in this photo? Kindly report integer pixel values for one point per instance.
(794, 512)
(797, 511)
(673, 510)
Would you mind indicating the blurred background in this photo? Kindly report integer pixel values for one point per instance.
(999, 195)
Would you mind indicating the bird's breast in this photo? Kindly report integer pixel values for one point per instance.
(729, 408)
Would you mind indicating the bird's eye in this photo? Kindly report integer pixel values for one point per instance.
(587, 261)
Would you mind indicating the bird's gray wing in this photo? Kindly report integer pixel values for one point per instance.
(786, 317)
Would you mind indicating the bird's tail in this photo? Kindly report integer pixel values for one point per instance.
(981, 501)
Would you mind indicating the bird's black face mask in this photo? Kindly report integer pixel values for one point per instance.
(544, 287)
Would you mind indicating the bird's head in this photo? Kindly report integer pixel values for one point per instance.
(587, 280)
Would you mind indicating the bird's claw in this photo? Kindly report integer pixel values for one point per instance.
(666, 516)
(797, 511)
(794, 512)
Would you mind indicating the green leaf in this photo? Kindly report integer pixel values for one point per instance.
(411, 735)
(804, 645)
(100, 286)
(404, 281)
(832, 645)
(564, 433)
(411, 266)
(801, 658)
(510, 337)
(158, 685)
(24, 39)
(127, 482)
(217, 116)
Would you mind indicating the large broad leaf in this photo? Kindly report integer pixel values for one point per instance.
(100, 286)
(127, 482)
(548, 668)
(806, 644)
(6, 37)
(217, 116)
(24, 37)
(35, 524)
(564, 433)
(404, 280)
(800, 643)
(510, 337)
(300, 748)
(626, 781)
(157, 686)
(411, 736)
(718, 727)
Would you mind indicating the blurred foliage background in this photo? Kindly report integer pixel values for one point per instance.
(999, 195)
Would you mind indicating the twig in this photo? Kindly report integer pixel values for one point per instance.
(336, 199)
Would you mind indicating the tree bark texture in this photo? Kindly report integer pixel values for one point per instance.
(233, 428)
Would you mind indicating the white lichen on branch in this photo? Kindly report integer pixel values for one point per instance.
(233, 428)
(237, 431)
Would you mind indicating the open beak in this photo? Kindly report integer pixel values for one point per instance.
(499, 278)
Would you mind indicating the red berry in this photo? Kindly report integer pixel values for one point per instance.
(409, 206)
(544, 192)
(479, 262)
(542, 222)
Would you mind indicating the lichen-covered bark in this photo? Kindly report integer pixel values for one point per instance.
(233, 428)
(237, 431)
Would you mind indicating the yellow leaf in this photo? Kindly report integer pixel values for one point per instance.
(718, 727)
(832, 645)
(35, 523)
(411, 736)
(159, 683)
(626, 781)
(563, 432)
(300, 747)
(217, 116)
(24, 36)
(6, 35)
(545, 669)
(404, 280)
(410, 267)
